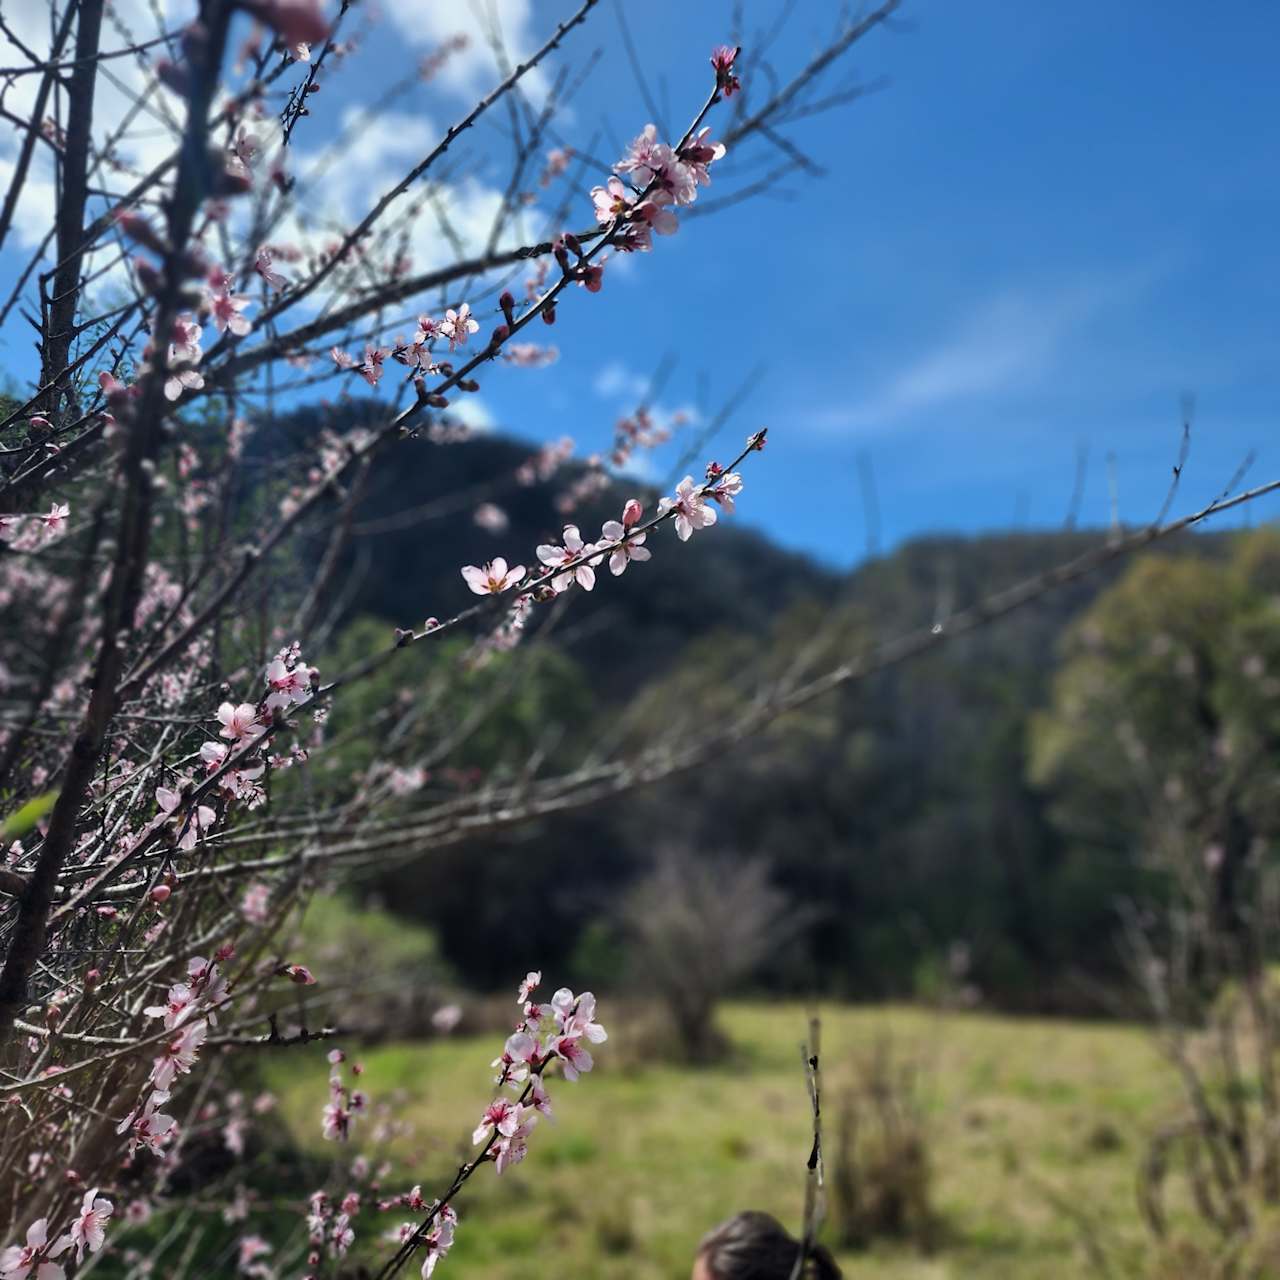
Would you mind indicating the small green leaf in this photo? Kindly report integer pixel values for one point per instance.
(16, 825)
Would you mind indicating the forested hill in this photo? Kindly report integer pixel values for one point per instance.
(901, 812)
(416, 526)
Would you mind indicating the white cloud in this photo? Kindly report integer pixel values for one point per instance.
(428, 25)
(472, 412)
(1006, 344)
(616, 380)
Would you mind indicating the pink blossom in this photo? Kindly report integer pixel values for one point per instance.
(439, 1240)
(343, 359)
(726, 489)
(181, 380)
(612, 201)
(30, 1260)
(137, 1213)
(239, 723)
(509, 1149)
(404, 782)
(287, 686)
(531, 982)
(573, 557)
(655, 214)
(491, 517)
(56, 516)
(226, 308)
(192, 823)
(371, 369)
(178, 1004)
(245, 149)
(151, 1128)
(519, 1055)
(336, 1122)
(699, 153)
(88, 1231)
(262, 265)
(646, 157)
(631, 549)
(446, 1018)
(591, 274)
(494, 578)
(722, 59)
(179, 1055)
(691, 508)
(577, 1016)
(539, 1098)
(557, 162)
(501, 1117)
(458, 326)
(255, 903)
(576, 1059)
(251, 1249)
(300, 974)
(632, 512)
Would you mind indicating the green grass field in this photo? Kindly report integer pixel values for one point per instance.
(1035, 1132)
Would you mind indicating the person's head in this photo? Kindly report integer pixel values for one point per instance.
(756, 1246)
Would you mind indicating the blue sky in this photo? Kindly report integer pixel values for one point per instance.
(1050, 223)
(1046, 225)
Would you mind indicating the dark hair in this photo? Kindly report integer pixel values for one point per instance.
(756, 1246)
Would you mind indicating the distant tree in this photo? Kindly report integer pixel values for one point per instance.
(699, 928)
(1164, 726)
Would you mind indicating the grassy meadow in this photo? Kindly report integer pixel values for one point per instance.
(1034, 1130)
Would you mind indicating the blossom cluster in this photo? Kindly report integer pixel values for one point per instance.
(574, 561)
(418, 352)
(661, 178)
(288, 682)
(34, 532)
(345, 1102)
(189, 1010)
(86, 1235)
(545, 1034)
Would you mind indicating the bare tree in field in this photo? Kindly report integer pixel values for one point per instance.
(699, 928)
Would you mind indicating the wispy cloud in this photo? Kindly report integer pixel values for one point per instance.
(1007, 344)
(509, 22)
(615, 380)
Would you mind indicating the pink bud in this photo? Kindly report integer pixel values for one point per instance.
(161, 893)
(177, 78)
(148, 277)
(294, 21)
(631, 513)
